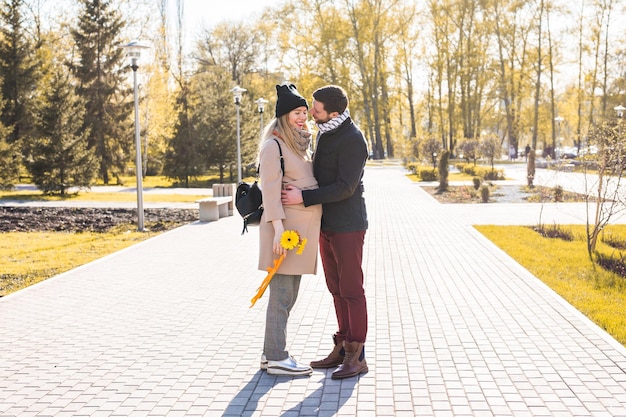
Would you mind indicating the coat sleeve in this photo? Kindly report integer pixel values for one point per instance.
(271, 178)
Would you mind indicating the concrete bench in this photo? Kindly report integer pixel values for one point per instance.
(224, 190)
(213, 208)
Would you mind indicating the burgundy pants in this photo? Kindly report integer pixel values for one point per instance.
(342, 255)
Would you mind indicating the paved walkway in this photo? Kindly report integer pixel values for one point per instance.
(457, 328)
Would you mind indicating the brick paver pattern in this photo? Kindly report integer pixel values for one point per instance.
(164, 328)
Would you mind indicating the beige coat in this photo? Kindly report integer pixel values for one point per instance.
(305, 220)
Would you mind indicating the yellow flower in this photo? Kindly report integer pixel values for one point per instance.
(289, 239)
(301, 247)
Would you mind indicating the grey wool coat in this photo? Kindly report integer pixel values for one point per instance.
(305, 220)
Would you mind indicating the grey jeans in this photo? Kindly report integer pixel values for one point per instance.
(283, 295)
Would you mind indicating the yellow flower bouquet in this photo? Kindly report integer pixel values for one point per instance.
(290, 240)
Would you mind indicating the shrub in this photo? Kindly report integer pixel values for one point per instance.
(477, 182)
(428, 174)
(413, 167)
(558, 193)
(555, 232)
(484, 193)
(470, 169)
(494, 174)
(484, 172)
(615, 264)
(614, 241)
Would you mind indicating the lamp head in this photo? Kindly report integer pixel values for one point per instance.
(261, 102)
(237, 93)
(133, 50)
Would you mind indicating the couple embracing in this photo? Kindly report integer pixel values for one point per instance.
(319, 195)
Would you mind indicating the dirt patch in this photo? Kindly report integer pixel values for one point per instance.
(63, 219)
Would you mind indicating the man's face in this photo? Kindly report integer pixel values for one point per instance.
(319, 114)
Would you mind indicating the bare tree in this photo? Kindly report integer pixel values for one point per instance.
(512, 32)
(606, 196)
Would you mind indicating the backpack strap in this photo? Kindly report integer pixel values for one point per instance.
(282, 160)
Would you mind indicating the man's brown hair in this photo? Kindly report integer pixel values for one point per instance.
(333, 97)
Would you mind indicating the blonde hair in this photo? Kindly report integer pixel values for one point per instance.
(287, 133)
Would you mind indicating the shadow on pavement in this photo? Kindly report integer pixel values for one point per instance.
(245, 403)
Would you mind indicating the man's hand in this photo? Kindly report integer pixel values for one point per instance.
(291, 195)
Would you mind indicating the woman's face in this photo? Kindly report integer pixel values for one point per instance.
(297, 117)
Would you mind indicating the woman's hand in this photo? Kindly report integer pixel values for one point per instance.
(277, 248)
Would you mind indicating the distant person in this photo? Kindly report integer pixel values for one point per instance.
(290, 130)
(338, 165)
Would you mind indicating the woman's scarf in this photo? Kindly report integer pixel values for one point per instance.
(333, 123)
(302, 139)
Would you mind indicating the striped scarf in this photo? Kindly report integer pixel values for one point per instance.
(333, 123)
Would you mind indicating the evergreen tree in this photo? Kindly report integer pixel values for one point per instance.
(184, 159)
(214, 121)
(60, 157)
(18, 69)
(9, 170)
(99, 71)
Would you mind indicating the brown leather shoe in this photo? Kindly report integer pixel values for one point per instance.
(352, 365)
(335, 358)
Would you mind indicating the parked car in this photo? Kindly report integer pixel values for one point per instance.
(568, 152)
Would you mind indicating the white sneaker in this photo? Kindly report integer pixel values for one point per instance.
(288, 366)
(263, 362)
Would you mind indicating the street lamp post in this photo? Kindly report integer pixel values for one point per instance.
(261, 103)
(133, 52)
(558, 121)
(620, 115)
(237, 93)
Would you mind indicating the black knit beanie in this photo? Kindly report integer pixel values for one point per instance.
(288, 99)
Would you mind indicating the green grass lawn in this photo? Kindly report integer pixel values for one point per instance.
(565, 267)
(203, 181)
(456, 176)
(28, 258)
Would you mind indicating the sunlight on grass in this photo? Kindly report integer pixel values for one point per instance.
(566, 268)
(455, 176)
(160, 181)
(28, 258)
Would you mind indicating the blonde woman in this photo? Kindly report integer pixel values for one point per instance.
(288, 134)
